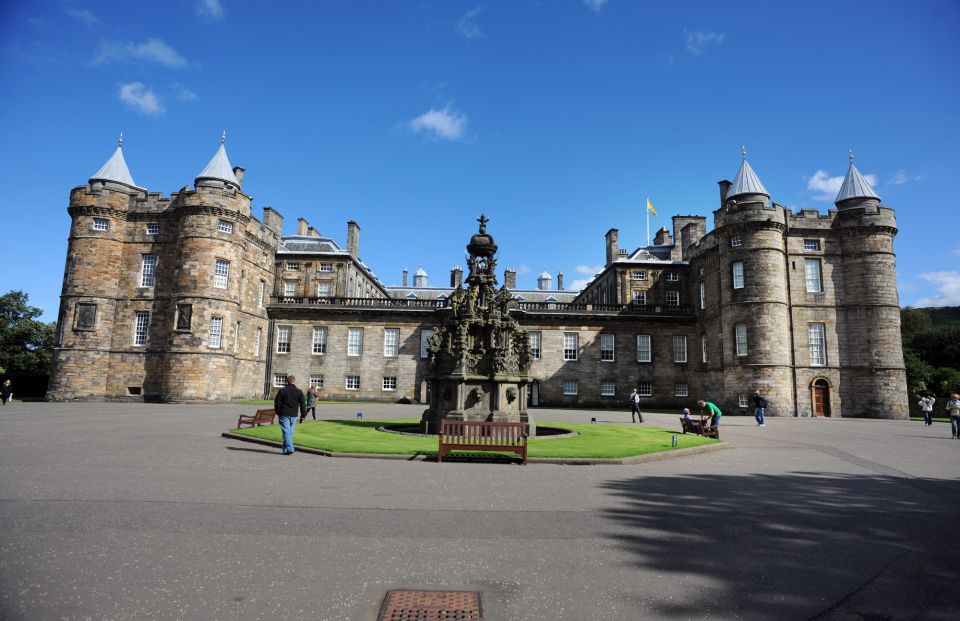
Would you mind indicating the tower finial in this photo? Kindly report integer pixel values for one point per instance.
(743, 151)
(851, 155)
(223, 137)
(120, 140)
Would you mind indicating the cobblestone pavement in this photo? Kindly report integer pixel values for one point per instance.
(142, 511)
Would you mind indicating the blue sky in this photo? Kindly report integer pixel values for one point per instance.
(555, 118)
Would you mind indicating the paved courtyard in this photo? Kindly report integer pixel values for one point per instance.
(120, 511)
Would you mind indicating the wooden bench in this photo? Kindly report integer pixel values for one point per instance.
(460, 435)
(700, 427)
(262, 417)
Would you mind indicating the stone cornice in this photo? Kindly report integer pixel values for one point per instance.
(210, 210)
(96, 210)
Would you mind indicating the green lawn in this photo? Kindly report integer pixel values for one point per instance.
(936, 419)
(270, 402)
(592, 441)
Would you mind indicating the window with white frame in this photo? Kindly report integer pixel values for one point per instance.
(221, 273)
(703, 348)
(680, 390)
(256, 343)
(608, 388)
(742, 400)
(811, 244)
(812, 271)
(319, 341)
(679, 349)
(638, 275)
(425, 336)
(283, 339)
(389, 383)
(148, 270)
(391, 342)
(323, 290)
(673, 298)
(279, 380)
(570, 340)
(355, 342)
(703, 296)
(672, 277)
(225, 226)
(741, 339)
(535, 339)
(216, 332)
(353, 382)
(141, 323)
(816, 338)
(316, 381)
(645, 389)
(570, 388)
(289, 288)
(153, 228)
(643, 348)
(325, 267)
(736, 241)
(293, 266)
(607, 347)
(640, 298)
(101, 224)
(737, 274)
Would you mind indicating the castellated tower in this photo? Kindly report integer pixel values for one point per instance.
(754, 316)
(164, 298)
(874, 377)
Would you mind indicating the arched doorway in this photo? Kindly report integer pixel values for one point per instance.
(821, 397)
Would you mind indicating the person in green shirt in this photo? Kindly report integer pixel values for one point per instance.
(707, 408)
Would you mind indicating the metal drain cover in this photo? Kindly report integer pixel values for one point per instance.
(431, 606)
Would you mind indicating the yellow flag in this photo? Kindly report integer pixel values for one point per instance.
(650, 207)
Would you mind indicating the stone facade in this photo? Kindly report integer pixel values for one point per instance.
(802, 306)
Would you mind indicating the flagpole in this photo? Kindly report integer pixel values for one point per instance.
(647, 209)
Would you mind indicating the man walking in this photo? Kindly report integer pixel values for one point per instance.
(759, 405)
(635, 414)
(926, 406)
(288, 403)
(953, 410)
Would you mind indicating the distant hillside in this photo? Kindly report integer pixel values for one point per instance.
(943, 316)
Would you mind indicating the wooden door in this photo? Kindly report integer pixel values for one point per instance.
(821, 400)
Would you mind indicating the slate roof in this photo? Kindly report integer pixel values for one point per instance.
(219, 168)
(115, 169)
(855, 186)
(746, 182)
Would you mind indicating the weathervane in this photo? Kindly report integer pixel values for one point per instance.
(223, 137)
(120, 141)
(743, 151)
(851, 155)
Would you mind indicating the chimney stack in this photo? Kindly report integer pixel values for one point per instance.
(510, 278)
(353, 239)
(238, 173)
(301, 226)
(724, 188)
(404, 277)
(559, 281)
(663, 237)
(456, 276)
(613, 248)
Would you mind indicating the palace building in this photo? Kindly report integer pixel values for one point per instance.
(190, 297)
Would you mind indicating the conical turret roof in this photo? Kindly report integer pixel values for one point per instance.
(219, 167)
(115, 169)
(746, 181)
(855, 186)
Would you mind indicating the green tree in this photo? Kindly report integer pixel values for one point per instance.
(939, 346)
(26, 345)
(920, 376)
(913, 321)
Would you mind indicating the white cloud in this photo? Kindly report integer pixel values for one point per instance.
(901, 176)
(467, 27)
(588, 269)
(447, 124)
(83, 16)
(826, 188)
(523, 269)
(697, 42)
(956, 251)
(211, 10)
(182, 93)
(595, 5)
(151, 51)
(141, 98)
(578, 285)
(948, 289)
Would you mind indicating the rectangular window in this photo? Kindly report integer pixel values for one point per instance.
(279, 380)
(216, 332)
(353, 382)
(325, 267)
(673, 277)
(700, 271)
(293, 266)
(389, 383)
(391, 342)
(816, 338)
(680, 390)
(703, 348)
(570, 388)
(323, 290)
(236, 339)
(742, 400)
(645, 389)
(289, 288)
(319, 341)
(535, 338)
(608, 388)
(225, 226)
(316, 381)
(140, 328)
(283, 339)
(256, 343)
(261, 291)
(812, 270)
(425, 336)
(355, 342)
(679, 349)
(741, 339)
(638, 275)
(148, 270)
(811, 244)
(607, 347)
(736, 241)
(153, 228)
(643, 348)
(570, 340)
(640, 298)
(738, 274)
(673, 298)
(101, 224)
(703, 296)
(221, 274)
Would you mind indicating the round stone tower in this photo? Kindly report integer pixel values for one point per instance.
(874, 381)
(753, 295)
(92, 281)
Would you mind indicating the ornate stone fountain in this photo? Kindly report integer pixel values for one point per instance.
(479, 356)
